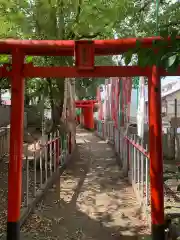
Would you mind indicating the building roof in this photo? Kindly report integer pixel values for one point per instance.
(169, 88)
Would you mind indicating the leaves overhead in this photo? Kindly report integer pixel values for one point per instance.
(169, 25)
(59, 19)
(81, 19)
(163, 53)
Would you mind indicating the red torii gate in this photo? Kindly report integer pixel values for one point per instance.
(84, 52)
(87, 107)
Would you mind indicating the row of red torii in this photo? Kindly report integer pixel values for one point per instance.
(87, 112)
(84, 52)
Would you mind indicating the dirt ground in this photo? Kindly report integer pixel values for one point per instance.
(172, 196)
(3, 195)
(4, 190)
(91, 201)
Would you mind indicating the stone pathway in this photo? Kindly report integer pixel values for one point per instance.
(92, 200)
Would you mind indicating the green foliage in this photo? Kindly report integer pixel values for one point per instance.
(58, 19)
(135, 84)
(128, 57)
(62, 19)
(160, 54)
(140, 19)
(142, 22)
(4, 59)
(78, 19)
(86, 88)
(29, 59)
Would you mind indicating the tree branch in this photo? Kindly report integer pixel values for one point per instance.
(148, 3)
(78, 11)
(61, 29)
(74, 36)
(174, 23)
(71, 34)
(91, 36)
(145, 6)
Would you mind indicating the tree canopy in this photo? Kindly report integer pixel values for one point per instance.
(60, 19)
(163, 21)
(93, 19)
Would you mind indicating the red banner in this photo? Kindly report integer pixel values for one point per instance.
(127, 88)
(100, 110)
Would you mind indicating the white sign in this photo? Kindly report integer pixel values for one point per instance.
(141, 108)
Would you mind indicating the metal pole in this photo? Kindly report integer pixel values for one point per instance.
(156, 159)
(16, 147)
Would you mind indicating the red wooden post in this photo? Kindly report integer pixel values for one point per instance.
(82, 117)
(91, 116)
(16, 147)
(156, 159)
(86, 119)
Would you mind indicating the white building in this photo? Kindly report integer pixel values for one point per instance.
(169, 92)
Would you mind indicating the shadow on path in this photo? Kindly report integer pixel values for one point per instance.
(91, 201)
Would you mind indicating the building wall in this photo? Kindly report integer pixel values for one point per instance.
(169, 102)
(168, 106)
(173, 96)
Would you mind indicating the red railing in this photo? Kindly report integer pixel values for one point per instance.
(39, 167)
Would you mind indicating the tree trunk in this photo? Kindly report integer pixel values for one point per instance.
(51, 100)
(56, 108)
(26, 99)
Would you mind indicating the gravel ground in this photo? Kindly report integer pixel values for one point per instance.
(172, 196)
(4, 187)
(3, 195)
(92, 200)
